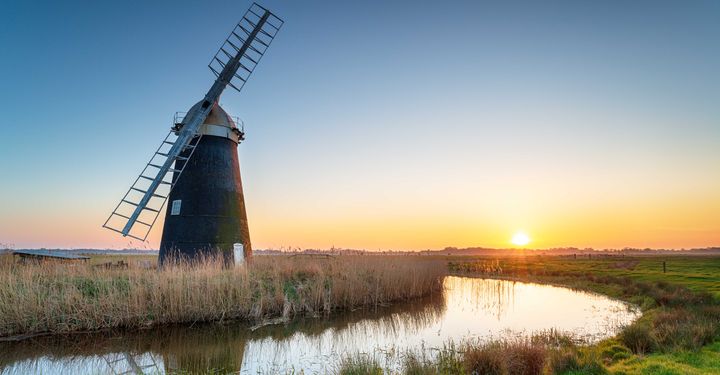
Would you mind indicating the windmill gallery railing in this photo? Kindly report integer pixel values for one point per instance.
(179, 116)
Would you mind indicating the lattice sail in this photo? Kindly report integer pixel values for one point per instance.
(149, 213)
(269, 25)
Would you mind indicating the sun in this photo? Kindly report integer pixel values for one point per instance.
(520, 239)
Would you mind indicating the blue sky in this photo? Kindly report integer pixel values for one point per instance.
(485, 117)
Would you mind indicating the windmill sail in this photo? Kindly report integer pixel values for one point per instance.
(233, 64)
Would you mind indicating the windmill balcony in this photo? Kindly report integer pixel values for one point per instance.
(179, 116)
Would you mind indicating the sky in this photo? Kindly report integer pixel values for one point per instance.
(402, 125)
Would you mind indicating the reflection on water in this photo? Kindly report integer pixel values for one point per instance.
(468, 309)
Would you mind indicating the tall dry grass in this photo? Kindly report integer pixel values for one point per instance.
(59, 298)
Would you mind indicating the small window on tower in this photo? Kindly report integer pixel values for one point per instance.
(175, 209)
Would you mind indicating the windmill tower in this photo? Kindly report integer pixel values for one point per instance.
(196, 166)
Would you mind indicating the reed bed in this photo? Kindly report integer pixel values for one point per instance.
(61, 298)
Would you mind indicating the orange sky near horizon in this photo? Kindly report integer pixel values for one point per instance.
(681, 215)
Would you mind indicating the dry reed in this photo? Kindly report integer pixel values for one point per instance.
(59, 298)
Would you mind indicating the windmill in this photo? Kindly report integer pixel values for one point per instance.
(206, 214)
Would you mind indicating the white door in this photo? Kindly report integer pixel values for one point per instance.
(239, 254)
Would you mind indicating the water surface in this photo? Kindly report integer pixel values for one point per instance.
(469, 309)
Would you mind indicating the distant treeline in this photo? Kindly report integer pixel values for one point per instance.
(572, 251)
(566, 251)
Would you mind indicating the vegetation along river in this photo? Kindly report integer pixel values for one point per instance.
(469, 309)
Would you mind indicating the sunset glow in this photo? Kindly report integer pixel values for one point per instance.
(520, 239)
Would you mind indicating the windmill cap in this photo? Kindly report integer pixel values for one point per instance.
(218, 123)
(217, 116)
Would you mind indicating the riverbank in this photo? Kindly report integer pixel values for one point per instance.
(679, 332)
(54, 298)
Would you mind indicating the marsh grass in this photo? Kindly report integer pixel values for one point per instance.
(61, 298)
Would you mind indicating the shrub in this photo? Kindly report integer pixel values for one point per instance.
(575, 361)
(680, 328)
(638, 338)
(485, 359)
(613, 351)
(521, 357)
(563, 360)
(526, 360)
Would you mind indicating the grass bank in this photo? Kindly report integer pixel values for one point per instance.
(679, 332)
(63, 298)
(545, 352)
